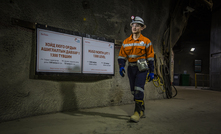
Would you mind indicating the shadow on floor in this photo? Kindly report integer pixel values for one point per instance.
(80, 113)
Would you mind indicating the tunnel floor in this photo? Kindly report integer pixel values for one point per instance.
(192, 111)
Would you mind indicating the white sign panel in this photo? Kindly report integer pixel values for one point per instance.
(58, 52)
(98, 56)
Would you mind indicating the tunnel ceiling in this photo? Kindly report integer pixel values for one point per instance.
(198, 26)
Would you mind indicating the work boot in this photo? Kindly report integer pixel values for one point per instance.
(143, 111)
(138, 113)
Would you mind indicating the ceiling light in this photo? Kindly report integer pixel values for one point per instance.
(192, 49)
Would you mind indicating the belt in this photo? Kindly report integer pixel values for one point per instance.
(132, 64)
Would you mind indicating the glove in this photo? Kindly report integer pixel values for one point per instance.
(150, 76)
(122, 71)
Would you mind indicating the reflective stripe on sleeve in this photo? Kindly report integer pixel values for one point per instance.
(120, 57)
(148, 45)
(150, 59)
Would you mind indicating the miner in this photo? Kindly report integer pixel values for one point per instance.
(138, 51)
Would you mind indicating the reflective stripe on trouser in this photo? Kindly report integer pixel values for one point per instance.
(137, 81)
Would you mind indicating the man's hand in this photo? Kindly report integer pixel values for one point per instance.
(122, 71)
(150, 76)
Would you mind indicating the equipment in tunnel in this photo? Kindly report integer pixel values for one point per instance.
(185, 79)
(197, 66)
(176, 79)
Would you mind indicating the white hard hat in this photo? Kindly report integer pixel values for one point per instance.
(138, 20)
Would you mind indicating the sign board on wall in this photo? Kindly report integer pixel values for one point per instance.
(98, 56)
(62, 51)
(58, 52)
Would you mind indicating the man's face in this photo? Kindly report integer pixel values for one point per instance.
(136, 28)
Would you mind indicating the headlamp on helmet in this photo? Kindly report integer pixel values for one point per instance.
(137, 20)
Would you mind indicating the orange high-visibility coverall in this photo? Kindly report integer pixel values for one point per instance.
(132, 50)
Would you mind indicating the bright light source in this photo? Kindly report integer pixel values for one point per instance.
(192, 49)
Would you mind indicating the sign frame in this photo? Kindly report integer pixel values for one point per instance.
(81, 35)
(99, 39)
(56, 30)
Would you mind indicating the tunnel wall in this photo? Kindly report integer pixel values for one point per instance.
(25, 94)
(215, 49)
